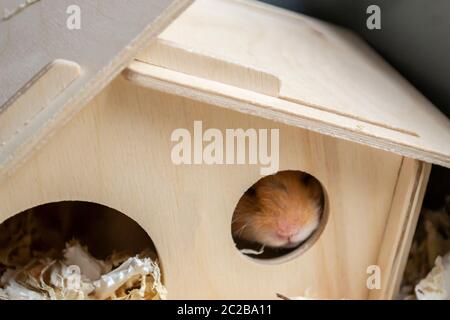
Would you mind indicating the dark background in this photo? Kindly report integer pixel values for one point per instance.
(414, 38)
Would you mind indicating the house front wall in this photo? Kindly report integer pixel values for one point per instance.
(118, 152)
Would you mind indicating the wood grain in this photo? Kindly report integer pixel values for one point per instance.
(330, 96)
(404, 212)
(111, 34)
(330, 80)
(32, 100)
(117, 150)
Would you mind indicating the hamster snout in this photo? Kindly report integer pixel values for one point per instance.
(280, 210)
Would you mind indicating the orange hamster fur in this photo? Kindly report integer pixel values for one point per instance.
(280, 210)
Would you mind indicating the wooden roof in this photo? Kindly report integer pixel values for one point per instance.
(236, 54)
(49, 71)
(288, 67)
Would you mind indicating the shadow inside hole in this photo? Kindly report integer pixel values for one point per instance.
(43, 231)
(268, 253)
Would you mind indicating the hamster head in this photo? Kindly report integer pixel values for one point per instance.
(280, 210)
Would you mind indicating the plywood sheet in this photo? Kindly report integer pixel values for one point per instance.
(311, 73)
(33, 36)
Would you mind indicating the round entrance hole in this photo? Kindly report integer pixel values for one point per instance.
(280, 216)
(77, 250)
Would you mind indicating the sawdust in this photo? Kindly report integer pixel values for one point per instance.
(39, 261)
(79, 276)
(427, 271)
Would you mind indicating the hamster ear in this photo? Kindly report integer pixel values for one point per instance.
(251, 192)
(306, 178)
(314, 187)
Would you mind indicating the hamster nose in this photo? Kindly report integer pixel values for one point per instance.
(286, 228)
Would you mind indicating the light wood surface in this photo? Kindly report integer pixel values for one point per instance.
(404, 211)
(117, 150)
(32, 100)
(111, 33)
(311, 73)
(305, 77)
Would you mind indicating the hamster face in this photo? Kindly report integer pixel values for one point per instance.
(280, 210)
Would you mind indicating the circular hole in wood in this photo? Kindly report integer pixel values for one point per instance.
(102, 243)
(280, 216)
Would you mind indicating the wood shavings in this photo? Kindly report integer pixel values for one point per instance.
(307, 295)
(15, 291)
(254, 252)
(27, 238)
(79, 276)
(130, 271)
(283, 297)
(426, 268)
(436, 286)
(90, 267)
(3, 295)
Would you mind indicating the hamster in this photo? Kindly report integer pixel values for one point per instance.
(280, 210)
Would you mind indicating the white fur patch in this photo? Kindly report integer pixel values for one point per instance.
(306, 231)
